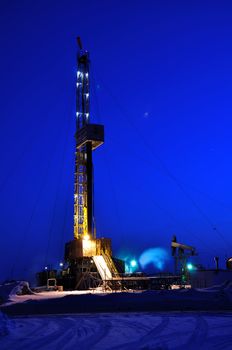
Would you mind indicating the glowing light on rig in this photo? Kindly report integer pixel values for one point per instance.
(130, 265)
(88, 246)
(61, 264)
(79, 74)
(190, 266)
(45, 268)
(133, 263)
(86, 237)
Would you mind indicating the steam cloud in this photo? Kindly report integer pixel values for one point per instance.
(155, 256)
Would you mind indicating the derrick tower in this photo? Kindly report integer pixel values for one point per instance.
(89, 258)
(88, 137)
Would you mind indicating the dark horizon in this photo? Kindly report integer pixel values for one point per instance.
(161, 79)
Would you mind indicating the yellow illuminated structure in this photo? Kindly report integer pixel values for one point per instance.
(88, 138)
(86, 255)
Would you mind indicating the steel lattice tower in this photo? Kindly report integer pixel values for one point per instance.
(88, 137)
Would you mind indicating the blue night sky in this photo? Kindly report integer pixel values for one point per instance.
(161, 82)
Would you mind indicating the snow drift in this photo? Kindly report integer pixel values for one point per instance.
(217, 298)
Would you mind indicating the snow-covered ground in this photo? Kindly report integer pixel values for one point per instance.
(120, 331)
(55, 320)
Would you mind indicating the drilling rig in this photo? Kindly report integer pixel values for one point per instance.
(89, 258)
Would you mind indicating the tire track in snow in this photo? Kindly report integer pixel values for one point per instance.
(221, 342)
(120, 332)
(73, 332)
(145, 340)
(124, 327)
(25, 329)
(200, 332)
(67, 334)
(100, 332)
(198, 337)
(46, 331)
(37, 326)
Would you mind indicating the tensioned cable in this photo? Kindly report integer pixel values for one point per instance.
(16, 165)
(58, 187)
(171, 216)
(158, 206)
(62, 241)
(208, 196)
(166, 169)
(107, 159)
(34, 207)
